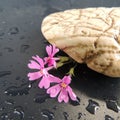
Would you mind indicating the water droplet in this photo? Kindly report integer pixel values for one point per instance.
(23, 48)
(13, 30)
(4, 73)
(47, 114)
(9, 49)
(79, 116)
(23, 89)
(75, 103)
(9, 102)
(18, 113)
(112, 104)
(4, 116)
(107, 117)
(1, 34)
(92, 107)
(40, 98)
(2, 108)
(66, 116)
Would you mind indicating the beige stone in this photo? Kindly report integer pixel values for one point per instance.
(90, 35)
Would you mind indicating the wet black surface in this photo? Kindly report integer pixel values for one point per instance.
(20, 38)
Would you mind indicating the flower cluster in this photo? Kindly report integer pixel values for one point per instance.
(61, 88)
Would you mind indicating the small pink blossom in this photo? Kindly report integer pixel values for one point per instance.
(51, 51)
(63, 89)
(38, 64)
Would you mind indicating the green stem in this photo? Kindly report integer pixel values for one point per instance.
(71, 71)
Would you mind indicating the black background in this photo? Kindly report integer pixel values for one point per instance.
(20, 38)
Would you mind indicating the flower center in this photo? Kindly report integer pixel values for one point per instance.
(63, 85)
(43, 72)
(48, 58)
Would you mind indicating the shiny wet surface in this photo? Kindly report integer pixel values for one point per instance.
(20, 38)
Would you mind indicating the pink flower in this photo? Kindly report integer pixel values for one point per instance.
(38, 64)
(63, 89)
(51, 51)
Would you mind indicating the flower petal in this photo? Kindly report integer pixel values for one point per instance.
(54, 50)
(34, 75)
(46, 59)
(54, 79)
(52, 62)
(39, 60)
(71, 93)
(49, 50)
(33, 65)
(53, 91)
(67, 79)
(44, 83)
(63, 96)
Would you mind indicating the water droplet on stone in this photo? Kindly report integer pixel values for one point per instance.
(40, 98)
(4, 116)
(79, 116)
(112, 104)
(13, 30)
(66, 116)
(9, 49)
(18, 113)
(107, 117)
(92, 107)
(23, 48)
(23, 89)
(47, 114)
(4, 73)
(75, 103)
(9, 102)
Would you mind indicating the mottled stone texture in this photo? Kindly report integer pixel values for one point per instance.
(88, 35)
